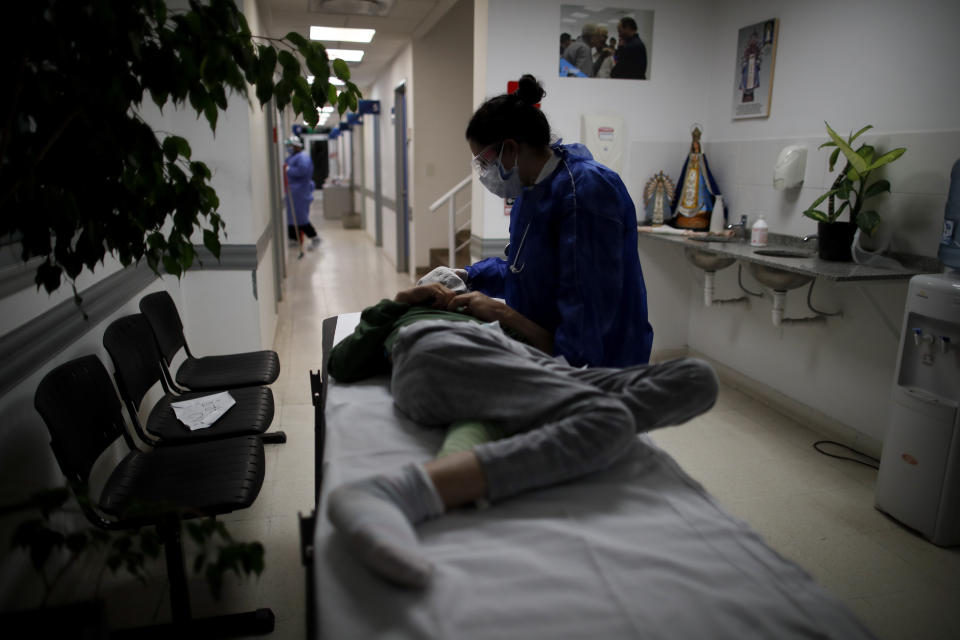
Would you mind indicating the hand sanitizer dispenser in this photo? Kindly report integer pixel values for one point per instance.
(790, 168)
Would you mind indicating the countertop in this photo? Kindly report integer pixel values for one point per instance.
(813, 265)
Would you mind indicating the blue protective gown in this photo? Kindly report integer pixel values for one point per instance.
(299, 179)
(579, 270)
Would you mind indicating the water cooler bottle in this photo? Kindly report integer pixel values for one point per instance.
(919, 479)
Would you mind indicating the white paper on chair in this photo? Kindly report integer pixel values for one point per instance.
(200, 413)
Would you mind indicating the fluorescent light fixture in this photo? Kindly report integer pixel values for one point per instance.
(570, 20)
(327, 109)
(347, 55)
(341, 34)
(332, 80)
(579, 14)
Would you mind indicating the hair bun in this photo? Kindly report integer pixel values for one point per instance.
(530, 92)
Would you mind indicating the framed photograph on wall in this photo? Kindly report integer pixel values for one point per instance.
(605, 42)
(756, 55)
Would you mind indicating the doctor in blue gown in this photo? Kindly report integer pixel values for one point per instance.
(572, 267)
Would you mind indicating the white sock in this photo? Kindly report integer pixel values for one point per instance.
(377, 516)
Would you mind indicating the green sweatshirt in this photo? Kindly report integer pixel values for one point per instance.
(364, 353)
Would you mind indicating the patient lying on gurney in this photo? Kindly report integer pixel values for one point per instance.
(447, 367)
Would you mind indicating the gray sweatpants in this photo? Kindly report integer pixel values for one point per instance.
(563, 422)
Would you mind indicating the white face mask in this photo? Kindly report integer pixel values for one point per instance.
(499, 183)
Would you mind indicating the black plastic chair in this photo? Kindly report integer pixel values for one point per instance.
(137, 365)
(210, 372)
(82, 412)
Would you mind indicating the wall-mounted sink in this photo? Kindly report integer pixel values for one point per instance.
(707, 260)
(778, 279)
(784, 253)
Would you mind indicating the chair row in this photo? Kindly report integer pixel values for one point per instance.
(186, 474)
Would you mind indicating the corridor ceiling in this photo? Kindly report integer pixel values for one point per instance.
(405, 21)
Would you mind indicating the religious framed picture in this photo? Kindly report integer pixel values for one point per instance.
(753, 75)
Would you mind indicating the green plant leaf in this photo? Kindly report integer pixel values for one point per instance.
(823, 197)
(211, 112)
(833, 158)
(857, 134)
(844, 188)
(818, 215)
(297, 39)
(212, 242)
(869, 221)
(341, 69)
(878, 187)
(852, 157)
(332, 95)
(887, 158)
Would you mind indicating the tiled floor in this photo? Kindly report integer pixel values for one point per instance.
(760, 464)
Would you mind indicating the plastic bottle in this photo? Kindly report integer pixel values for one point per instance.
(950, 238)
(717, 221)
(758, 233)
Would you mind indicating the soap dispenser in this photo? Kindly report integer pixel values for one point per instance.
(758, 233)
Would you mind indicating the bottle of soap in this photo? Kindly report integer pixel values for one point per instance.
(758, 234)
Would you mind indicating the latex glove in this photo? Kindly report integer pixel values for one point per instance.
(450, 278)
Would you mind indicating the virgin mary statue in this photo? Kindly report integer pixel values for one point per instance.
(696, 191)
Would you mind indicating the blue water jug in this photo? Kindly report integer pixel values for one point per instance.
(950, 239)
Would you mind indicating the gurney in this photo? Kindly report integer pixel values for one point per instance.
(640, 550)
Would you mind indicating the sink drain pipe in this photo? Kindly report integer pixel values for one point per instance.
(708, 289)
(779, 306)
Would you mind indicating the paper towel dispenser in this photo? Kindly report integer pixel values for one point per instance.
(790, 168)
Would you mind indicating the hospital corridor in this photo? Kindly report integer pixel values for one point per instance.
(480, 320)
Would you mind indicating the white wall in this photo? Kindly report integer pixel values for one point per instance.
(444, 106)
(522, 37)
(852, 63)
(400, 70)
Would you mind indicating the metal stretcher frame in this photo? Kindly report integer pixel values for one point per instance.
(318, 392)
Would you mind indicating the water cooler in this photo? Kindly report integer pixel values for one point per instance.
(919, 479)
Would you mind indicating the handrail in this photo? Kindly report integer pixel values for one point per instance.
(450, 194)
(452, 218)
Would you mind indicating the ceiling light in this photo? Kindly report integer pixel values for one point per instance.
(331, 80)
(347, 55)
(356, 7)
(341, 34)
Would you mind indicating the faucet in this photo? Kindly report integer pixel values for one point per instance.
(740, 228)
(812, 236)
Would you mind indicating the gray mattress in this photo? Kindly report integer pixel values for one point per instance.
(640, 550)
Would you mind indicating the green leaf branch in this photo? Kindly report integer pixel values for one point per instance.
(82, 174)
(55, 545)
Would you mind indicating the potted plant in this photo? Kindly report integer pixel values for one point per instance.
(57, 541)
(853, 187)
(83, 174)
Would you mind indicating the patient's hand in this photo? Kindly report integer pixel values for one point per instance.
(479, 306)
(434, 294)
(488, 309)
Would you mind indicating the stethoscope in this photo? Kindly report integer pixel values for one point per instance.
(506, 250)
